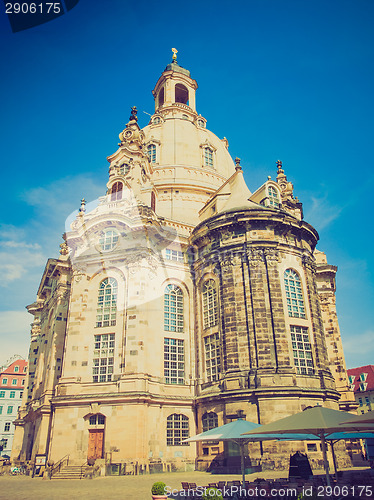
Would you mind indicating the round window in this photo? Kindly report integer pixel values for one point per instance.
(109, 239)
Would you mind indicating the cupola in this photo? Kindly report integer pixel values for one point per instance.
(175, 87)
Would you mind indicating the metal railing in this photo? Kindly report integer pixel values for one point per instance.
(57, 467)
(83, 469)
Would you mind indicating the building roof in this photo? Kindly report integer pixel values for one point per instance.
(361, 375)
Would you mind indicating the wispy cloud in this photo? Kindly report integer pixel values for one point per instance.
(359, 349)
(63, 196)
(14, 333)
(19, 244)
(17, 255)
(322, 212)
(15, 265)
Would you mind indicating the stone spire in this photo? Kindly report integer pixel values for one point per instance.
(289, 202)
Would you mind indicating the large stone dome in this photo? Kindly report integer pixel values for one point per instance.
(189, 161)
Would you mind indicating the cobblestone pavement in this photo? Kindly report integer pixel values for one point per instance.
(109, 487)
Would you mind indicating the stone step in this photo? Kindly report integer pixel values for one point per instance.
(69, 472)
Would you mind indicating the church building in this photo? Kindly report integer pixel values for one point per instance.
(180, 302)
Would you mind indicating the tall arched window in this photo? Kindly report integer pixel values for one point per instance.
(151, 150)
(210, 304)
(173, 309)
(107, 303)
(116, 191)
(208, 157)
(210, 421)
(294, 294)
(273, 197)
(177, 429)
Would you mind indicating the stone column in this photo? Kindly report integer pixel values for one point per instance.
(318, 334)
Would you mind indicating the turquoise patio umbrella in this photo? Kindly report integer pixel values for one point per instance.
(234, 432)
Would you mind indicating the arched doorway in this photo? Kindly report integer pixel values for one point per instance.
(96, 427)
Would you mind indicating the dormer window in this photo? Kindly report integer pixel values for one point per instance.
(157, 120)
(363, 377)
(151, 150)
(273, 197)
(116, 191)
(208, 157)
(124, 168)
(201, 123)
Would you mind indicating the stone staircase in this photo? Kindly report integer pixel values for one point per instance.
(70, 472)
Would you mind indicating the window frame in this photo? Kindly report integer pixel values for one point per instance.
(175, 434)
(210, 304)
(109, 239)
(116, 191)
(103, 358)
(106, 309)
(208, 157)
(173, 308)
(152, 153)
(212, 356)
(294, 294)
(174, 361)
(273, 196)
(301, 345)
(209, 421)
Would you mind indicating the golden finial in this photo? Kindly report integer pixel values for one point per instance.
(174, 55)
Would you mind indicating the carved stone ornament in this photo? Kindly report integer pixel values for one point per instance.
(225, 234)
(255, 256)
(78, 275)
(271, 255)
(309, 263)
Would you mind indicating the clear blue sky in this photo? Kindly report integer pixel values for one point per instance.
(281, 79)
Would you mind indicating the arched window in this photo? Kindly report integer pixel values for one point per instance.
(157, 120)
(294, 294)
(107, 303)
(210, 304)
(151, 149)
(173, 309)
(273, 197)
(177, 429)
(117, 191)
(181, 93)
(97, 419)
(161, 97)
(208, 157)
(109, 239)
(201, 123)
(210, 421)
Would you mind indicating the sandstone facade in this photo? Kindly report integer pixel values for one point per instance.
(180, 302)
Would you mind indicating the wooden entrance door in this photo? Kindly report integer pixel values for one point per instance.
(95, 443)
